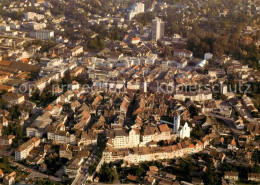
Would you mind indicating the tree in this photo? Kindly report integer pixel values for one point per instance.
(194, 111)
(36, 95)
(208, 175)
(256, 168)
(54, 163)
(15, 112)
(47, 45)
(16, 15)
(34, 75)
(145, 18)
(96, 43)
(188, 169)
(66, 79)
(18, 131)
(3, 103)
(197, 132)
(8, 130)
(137, 170)
(108, 173)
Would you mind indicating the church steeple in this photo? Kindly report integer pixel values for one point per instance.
(177, 122)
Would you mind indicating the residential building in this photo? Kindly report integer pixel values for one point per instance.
(42, 34)
(4, 27)
(135, 40)
(135, 9)
(89, 138)
(208, 56)
(1, 173)
(23, 151)
(232, 145)
(6, 140)
(60, 135)
(13, 98)
(140, 154)
(183, 53)
(38, 127)
(33, 16)
(9, 179)
(194, 96)
(76, 51)
(231, 176)
(254, 177)
(157, 29)
(65, 152)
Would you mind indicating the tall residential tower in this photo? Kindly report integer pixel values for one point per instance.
(157, 29)
(135, 9)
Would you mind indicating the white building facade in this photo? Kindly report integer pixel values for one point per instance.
(157, 29)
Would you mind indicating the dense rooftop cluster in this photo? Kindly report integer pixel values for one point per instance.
(148, 92)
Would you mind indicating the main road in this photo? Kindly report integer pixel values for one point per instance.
(20, 38)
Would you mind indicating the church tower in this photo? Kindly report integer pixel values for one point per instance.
(177, 122)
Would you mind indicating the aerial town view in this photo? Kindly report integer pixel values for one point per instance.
(153, 92)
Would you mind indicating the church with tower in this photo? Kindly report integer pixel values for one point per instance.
(182, 130)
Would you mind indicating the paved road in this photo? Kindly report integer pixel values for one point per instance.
(21, 38)
(80, 179)
(34, 173)
(230, 124)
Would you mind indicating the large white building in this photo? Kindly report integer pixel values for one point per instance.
(157, 29)
(123, 139)
(23, 151)
(141, 154)
(182, 131)
(35, 25)
(38, 127)
(60, 135)
(33, 16)
(156, 134)
(208, 56)
(4, 27)
(133, 138)
(42, 34)
(135, 9)
(194, 96)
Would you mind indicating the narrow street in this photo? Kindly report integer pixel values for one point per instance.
(34, 174)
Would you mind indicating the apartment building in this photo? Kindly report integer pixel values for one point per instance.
(60, 135)
(23, 151)
(140, 154)
(6, 140)
(42, 34)
(9, 179)
(133, 138)
(157, 29)
(38, 127)
(29, 16)
(194, 96)
(13, 98)
(135, 9)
